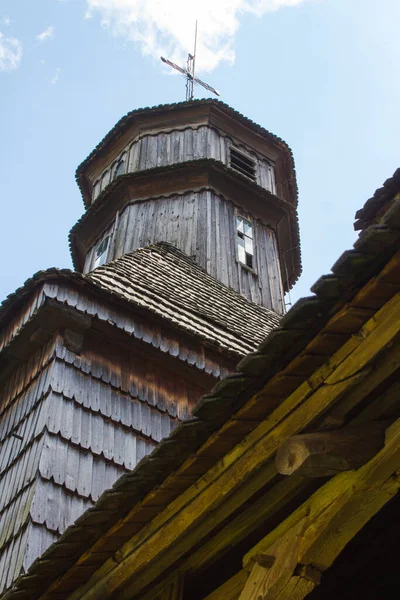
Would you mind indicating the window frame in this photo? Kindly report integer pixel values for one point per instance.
(242, 235)
(104, 254)
(120, 161)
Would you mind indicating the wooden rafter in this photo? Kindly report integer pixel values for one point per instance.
(320, 529)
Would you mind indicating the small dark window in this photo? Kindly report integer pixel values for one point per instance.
(242, 163)
(245, 247)
(100, 255)
(119, 169)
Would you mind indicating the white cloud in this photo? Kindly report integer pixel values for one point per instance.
(6, 21)
(46, 34)
(10, 53)
(166, 27)
(55, 77)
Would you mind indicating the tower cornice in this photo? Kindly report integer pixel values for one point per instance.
(166, 117)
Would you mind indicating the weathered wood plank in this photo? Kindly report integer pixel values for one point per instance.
(246, 522)
(231, 589)
(272, 571)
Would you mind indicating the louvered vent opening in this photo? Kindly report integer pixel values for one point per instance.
(242, 163)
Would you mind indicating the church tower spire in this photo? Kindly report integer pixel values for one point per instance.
(205, 179)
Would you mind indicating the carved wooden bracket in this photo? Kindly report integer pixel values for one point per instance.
(326, 453)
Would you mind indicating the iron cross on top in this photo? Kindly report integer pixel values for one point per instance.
(189, 73)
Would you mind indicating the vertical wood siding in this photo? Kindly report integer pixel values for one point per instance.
(178, 146)
(202, 225)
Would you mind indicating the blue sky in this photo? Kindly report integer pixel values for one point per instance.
(321, 74)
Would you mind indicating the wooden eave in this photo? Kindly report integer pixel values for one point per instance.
(374, 209)
(322, 368)
(183, 178)
(29, 310)
(168, 116)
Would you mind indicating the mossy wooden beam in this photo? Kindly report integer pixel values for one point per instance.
(194, 514)
(246, 522)
(272, 572)
(384, 368)
(326, 453)
(315, 534)
(237, 529)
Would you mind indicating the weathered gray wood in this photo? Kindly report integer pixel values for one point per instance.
(79, 429)
(175, 146)
(203, 225)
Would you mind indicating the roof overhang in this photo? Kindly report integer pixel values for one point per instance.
(180, 115)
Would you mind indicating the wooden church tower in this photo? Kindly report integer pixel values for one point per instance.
(182, 258)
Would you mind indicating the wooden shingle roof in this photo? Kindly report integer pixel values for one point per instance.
(165, 283)
(372, 209)
(170, 284)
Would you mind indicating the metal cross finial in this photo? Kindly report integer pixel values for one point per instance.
(189, 73)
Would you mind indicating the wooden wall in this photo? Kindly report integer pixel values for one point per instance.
(176, 146)
(202, 225)
(71, 423)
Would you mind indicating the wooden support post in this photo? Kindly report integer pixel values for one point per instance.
(326, 453)
(277, 573)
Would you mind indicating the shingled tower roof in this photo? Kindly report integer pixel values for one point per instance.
(167, 282)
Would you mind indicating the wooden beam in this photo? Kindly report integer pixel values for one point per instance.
(384, 367)
(237, 529)
(326, 453)
(272, 571)
(174, 591)
(192, 516)
(246, 522)
(337, 511)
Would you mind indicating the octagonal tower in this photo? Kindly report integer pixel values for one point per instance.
(204, 178)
